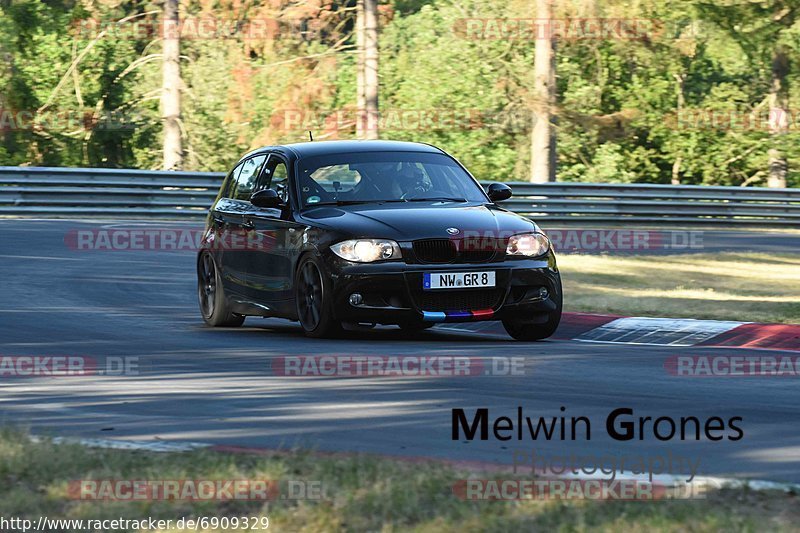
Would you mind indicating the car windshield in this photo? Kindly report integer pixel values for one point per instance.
(375, 177)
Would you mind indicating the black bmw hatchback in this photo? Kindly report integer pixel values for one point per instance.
(372, 232)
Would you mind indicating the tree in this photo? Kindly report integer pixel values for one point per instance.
(361, 104)
(758, 26)
(367, 64)
(778, 117)
(543, 141)
(171, 88)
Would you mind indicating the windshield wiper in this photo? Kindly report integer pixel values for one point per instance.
(394, 200)
(438, 199)
(343, 202)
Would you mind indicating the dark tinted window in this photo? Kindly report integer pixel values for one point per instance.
(246, 180)
(384, 176)
(230, 188)
(275, 176)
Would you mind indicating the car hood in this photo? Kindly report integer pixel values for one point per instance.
(406, 222)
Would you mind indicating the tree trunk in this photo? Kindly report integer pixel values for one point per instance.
(778, 119)
(676, 171)
(361, 106)
(171, 88)
(543, 140)
(371, 68)
(676, 165)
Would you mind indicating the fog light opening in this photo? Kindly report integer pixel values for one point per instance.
(356, 299)
(543, 293)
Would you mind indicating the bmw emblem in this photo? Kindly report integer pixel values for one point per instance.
(453, 231)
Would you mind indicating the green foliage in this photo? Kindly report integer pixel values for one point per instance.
(686, 100)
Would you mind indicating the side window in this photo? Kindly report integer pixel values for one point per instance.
(230, 187)
(275, 176)
(246, 181)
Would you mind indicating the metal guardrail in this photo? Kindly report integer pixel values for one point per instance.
(76, 192)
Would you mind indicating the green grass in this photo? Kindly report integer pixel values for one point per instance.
(753, 287)
(361, 494)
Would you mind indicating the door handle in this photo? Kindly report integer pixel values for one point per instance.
(248, 225)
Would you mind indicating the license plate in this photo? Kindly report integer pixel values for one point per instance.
(457, 280)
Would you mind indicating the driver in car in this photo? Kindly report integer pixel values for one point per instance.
(395, 180)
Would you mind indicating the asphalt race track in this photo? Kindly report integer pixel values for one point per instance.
(200, 384)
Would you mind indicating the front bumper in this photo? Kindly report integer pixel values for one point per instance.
(392, 292)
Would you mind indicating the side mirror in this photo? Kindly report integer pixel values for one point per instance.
(499, 192)
(266, 198)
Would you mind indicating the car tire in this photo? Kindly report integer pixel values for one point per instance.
(313, 297)
(523, 329)
(211, 295)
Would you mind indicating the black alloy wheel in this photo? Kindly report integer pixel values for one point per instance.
(312, 294)
(211, 295)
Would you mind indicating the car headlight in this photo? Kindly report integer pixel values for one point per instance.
(528, 244)
(367, 250)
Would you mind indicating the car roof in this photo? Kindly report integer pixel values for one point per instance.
(315, 148)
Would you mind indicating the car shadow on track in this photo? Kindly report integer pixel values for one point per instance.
(379, 333)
